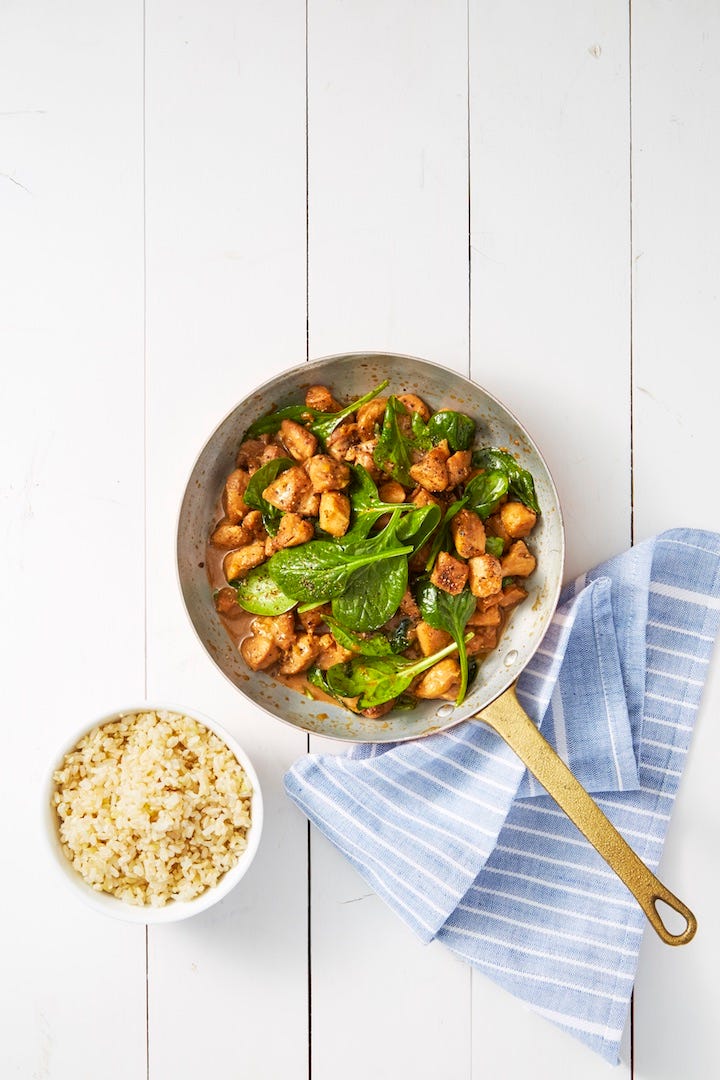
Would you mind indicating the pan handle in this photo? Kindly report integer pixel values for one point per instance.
(508, 718)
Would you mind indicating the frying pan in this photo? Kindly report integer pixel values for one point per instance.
(492, 698)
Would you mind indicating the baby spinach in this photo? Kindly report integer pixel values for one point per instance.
(259, 594)
(393, 452)
(367, 507)
(254, 492)
(374, 645)
(442, 537)
(373, 593)
(322, 424)
(494, 546)
(445, 611)
(321, 570)
(417, 527)
(456, 427)
(373, 680)
(520, 481)
(484, 492)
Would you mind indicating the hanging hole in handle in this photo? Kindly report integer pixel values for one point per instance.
(680, 925)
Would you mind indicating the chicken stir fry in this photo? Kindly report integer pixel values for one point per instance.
(378, 550)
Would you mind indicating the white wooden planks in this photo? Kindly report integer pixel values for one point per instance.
(71, 472)
(676, 323)
(225, 151)
(387, 155)
(550, 321)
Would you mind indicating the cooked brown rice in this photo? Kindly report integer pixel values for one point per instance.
(153, 807)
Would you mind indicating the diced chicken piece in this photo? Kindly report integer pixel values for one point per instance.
(518, 562)
(271, 452)
(226, 602)
(343, 440)
(259, 652)
(361, 455)
(334, 512)
(518, 520)
(443, 679)
(309, 505)
(313, 619)
(299, 442)
(370, 415)
(301, 654)
(377, 711)
(459, 466)
(279, 628)
(468, 533)
(431, 640)
(408, 605)
(431, 471)
(327, 474)
(494, 527)
(485, 617)
(416, 405)
(239, 563)
(392, 492)
(449, 573)
(485, 639)
(228, 536)
(421, 497)
(249, 456)
(320, 398)
(511, 595)
(233, 496)
(286, 492)
(331, 652)
(253, 525)
(485, 575)
(293, 530)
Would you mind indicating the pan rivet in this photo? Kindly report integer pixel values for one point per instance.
(445, 710)
(511, 658)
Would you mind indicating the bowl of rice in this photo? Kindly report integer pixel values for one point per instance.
(153, 813)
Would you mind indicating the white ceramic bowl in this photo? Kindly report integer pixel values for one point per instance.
(176, 910)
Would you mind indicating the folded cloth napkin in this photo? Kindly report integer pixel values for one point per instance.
(467, 848)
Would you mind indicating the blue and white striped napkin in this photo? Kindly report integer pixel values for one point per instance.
(466, 847)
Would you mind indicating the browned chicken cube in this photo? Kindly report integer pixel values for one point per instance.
(421, 497)
(280, 628)
(343, 441)
(249, 456)
(314, 618)
(449, 573)
(320, 398)
(225, 535)
(392, 492)
(378, 711)
(494, 527)
(361, 455)
(233, 496)
(326, 474)
(431, 640)
(271, 453)
(309, 505)
(459, 466)
(293, 530)
(442, 680)
(486, 575)
(301, 654)
(331, 652)
(239, 563)
(370, 415)
(484, 640)
(287, 490)
(226, 602)
(408, 606)
(518, 562)
(511, 595)
(299, 442)
(334, 512)
(485, 617)
(468, 533)
(416, 405)
(518, 520)
(259, 652)
(431, 471)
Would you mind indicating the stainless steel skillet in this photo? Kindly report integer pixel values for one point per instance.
(492, 699)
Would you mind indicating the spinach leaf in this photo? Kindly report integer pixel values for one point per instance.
(445, 611)
(520, 481)
(258, 482)
(373, 593)
(316, 677)
(375, 645)
(506, 581)
(442, 538)
(456, 427)
(373, 680)
(259, 594)
(321, 570)
(484, 492)
(399, 637)
(494, 546)
(417, 527)
(322, 424)
(393, 451)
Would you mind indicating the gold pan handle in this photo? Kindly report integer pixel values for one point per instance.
(508, 718)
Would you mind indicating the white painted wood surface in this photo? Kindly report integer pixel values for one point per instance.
(473, 186)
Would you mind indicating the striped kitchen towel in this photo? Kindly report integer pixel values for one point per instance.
(467, 848)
